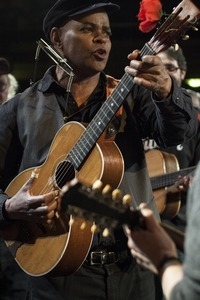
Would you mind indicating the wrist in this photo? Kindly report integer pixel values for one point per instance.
(167, 261)
(163, 93)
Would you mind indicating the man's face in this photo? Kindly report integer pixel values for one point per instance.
(4, 86)
(172, 67)
(85, 42)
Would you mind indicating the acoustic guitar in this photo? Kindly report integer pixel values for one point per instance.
(45, 248)
(164, 171)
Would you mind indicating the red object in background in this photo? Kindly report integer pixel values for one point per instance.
(149, 14)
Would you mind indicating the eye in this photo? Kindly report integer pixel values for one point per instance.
(171, 68)
(108, 33)
(86, 29)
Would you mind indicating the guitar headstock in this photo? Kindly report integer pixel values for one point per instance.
(99, 204)
(183, 18)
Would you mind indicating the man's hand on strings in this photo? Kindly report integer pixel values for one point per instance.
(26, 206)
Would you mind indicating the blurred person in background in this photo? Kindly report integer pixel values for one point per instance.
(195, 98)
(12, 278)
(188, 152)
(176, 64)
(8, 82)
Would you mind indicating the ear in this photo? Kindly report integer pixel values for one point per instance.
(183, 73)
(55, 37)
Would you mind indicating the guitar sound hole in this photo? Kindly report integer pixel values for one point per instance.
(64, 173)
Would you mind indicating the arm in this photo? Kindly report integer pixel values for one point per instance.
(167, 117)
(155, 250)
(172, 275)
(23, 205)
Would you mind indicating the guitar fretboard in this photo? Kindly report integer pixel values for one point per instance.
(102, 118)
(168, 179)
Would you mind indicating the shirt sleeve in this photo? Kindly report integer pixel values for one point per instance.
(189, 287)
(8, 149)
(169, 122)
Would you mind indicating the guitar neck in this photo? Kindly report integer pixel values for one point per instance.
(105, 114)
(169, 179)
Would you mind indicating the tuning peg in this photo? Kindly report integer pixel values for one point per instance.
(94, 228)
(97, 185)
(194, 28)
(175, 46)
(185, 37)
(107, 189)
(106, 232)
(126, 200)
(83, 225)
(71, 221)
(117, 195)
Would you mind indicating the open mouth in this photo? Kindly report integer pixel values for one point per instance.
(100, 54)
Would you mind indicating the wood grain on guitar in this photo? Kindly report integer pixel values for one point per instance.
(78, 151)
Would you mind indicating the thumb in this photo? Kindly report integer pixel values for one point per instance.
(150, 220)
(32, 178)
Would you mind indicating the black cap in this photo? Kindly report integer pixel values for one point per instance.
(5, 67)
(66, 9)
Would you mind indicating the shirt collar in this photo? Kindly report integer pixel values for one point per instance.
(48, 83)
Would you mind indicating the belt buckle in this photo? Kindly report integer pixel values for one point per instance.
(102, 257)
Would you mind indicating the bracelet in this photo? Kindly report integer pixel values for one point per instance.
(163, 263)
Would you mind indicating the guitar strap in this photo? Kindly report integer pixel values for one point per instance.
(123, 113)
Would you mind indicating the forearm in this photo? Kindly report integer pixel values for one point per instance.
(3, 198)
(170, 276)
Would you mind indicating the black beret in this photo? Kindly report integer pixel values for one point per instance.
(5, 67)
(66, 9)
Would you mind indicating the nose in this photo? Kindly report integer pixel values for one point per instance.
(100, 37)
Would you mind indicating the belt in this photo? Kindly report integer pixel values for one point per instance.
(103, 257)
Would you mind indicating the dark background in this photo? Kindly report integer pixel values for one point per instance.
(21, 27)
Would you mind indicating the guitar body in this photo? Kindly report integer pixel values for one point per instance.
(58, 247)
(160, 162)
